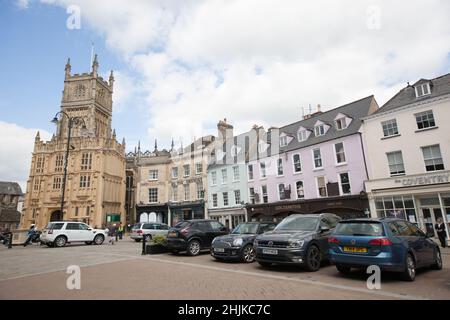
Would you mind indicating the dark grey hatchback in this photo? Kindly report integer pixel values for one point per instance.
(238, 245)
(299, 239)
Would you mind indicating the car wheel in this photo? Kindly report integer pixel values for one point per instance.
(437, 260)
(248, 254)
(193, 248)
(313, 259)
(410, 268)
(264, 264)
(88, 243)
(60, 241)
(137, 240)
(343, 269)
(98, 240)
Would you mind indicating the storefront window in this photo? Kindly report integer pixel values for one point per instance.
(396, 207)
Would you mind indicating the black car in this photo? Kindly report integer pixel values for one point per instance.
(238, 245)
(193, 236)
(299, 239)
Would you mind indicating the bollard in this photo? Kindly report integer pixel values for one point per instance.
(10, 240)
(143, 244)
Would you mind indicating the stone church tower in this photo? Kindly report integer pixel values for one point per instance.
(95, 185)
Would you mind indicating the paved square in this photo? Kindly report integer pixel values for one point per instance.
(120, 272)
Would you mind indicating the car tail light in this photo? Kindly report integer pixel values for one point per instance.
(184, 231)
(380, 242)
(333, 240)
(50, 231)
(139, 231)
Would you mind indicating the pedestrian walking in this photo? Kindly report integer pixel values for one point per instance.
(30, 234)
(120, 230)
(440, 229)
(111, 234)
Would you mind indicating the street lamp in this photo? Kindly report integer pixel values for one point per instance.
(71, 122)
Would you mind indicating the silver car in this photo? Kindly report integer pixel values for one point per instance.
(149, 229)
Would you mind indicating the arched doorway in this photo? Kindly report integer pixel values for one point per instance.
(152, 217)
(56, 216)
(143, 217)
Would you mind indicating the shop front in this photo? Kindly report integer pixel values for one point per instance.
(152, 213)
(345, 207)
(186, 211)
(420, 199)
(230, 217)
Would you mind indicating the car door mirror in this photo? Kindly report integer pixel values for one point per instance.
(224, 229)
(324, 229)
(89, 229)
(429, 234)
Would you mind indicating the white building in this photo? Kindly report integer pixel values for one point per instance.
(407, 146)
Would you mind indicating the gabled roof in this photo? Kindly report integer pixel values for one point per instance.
(11, 188)
(439, 86)
(355, 110)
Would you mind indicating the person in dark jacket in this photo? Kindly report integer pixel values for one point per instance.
(440, 229)
(30, 234)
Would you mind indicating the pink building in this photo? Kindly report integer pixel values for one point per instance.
(313, 165)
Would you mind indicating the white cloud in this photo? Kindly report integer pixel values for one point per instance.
(260, 61)
(23, 4)
(16, 147)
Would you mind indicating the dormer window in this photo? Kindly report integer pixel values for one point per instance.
(423, 90)
(341, 124)
(302, 135)
(319, 130)
(283, 141)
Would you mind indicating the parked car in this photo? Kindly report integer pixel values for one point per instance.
(59, 233)
(390, 243)
(238, 245)
(195, 235)
(300, 239)
(149, 229)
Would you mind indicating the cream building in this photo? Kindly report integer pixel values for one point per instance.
(188, 180)
(150, 172)
(407, 145)
(95, 186)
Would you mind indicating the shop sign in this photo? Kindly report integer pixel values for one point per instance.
(424, 180)
(288, 207)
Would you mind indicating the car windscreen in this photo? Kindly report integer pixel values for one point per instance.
(182, 224)
(54, 226)
(246, 228)
(359, 228)
(298, 223)
(136, 226)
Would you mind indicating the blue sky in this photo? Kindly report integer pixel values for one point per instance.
(181, 66)
(35, 47)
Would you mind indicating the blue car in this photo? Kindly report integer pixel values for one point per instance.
(392, 244)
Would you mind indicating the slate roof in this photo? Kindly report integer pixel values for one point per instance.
(9, 215)
(11, 188)
(354, 110)
(439, 86)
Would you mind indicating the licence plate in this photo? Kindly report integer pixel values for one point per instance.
(219, 250)
(172, 234)
(355, 249)
(270, 251)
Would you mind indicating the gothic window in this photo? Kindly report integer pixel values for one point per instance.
(86, 161)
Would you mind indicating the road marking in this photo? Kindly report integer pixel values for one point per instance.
(277, 277)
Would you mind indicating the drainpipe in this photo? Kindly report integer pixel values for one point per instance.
(364, 155)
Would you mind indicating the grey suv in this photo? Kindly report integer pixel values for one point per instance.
(299, 239)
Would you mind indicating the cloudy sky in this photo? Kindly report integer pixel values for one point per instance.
(182, 65)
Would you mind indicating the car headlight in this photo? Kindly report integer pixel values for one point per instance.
(296, 243)
(237, 242)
